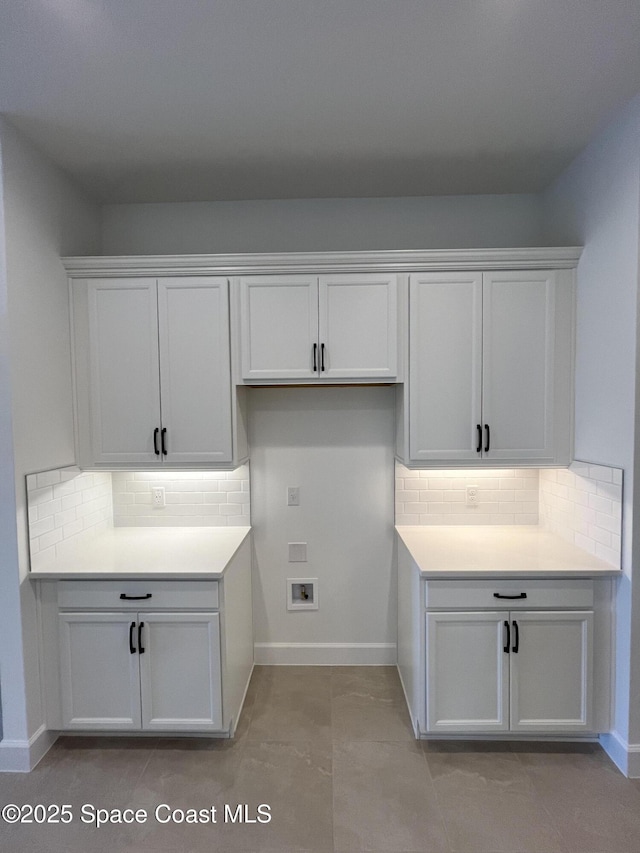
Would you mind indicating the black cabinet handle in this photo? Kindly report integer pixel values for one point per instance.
(488, 442)
(125, 597)
(507, 642)
(155, 441)
(132, 648)
(163, 436)
(315, 357)
(322, 357)
(479, 444)
(140, 646)
(510, 597)
(516, 642)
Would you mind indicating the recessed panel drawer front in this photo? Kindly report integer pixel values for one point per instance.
(508, 594)
(138, 595)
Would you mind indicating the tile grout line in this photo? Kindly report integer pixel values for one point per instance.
(437, 798)
(557, 830)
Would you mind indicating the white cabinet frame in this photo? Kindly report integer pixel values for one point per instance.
(490, 367)
(509, 671)
(319, 328)
(152, 373)
(174, 668)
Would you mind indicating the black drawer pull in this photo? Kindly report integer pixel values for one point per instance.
(322, 357)
(125, 597)
(140, 646)
(163, 436)
(155, 441)
(315, 358)
(488, 444)
(510, 597)
(516, 642)
(507, 642)
(132, 648)
(479, 444)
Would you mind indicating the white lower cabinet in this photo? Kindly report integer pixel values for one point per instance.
(161, 655)
(509, 671)
(503, 657)
(129, 671)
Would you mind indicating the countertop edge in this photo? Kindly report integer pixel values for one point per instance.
(578, 572)
(55, 573)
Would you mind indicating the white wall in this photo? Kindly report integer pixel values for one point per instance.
(301, 225)
(44, 217)
(596, 202)
(336, 444)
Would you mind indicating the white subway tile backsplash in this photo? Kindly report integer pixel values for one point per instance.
(39, 528)
(47, 478)
(202, 498)
(66, 504)
(590, 513)
(507, 496)
(39, 496)
(63, 504)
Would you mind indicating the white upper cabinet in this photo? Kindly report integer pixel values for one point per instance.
(490, 367)
(518, 365)
(445, 366)
(195, 373)
(279, 327)
(328, 327)
(152, 371)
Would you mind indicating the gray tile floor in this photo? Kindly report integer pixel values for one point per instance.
(330, 750)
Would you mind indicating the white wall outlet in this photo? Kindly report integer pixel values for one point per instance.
(302, 593)
(297, 552)
(157, 496)
(473, 496)
(293, 495)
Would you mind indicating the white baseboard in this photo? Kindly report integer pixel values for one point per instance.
(624, 755)
(325, 654)
(21, 756)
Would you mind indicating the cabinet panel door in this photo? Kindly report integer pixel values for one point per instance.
(195, 370)
(358, 326)
(518, 364)
(124, 381)
(180, 671)
(279, 326)
(445, 365)
(551, 674)
(100, 681)
(467, 673)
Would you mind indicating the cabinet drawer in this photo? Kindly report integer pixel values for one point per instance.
(106, 595)
(508, 594)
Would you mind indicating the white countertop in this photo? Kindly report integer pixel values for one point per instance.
(443, 551)
(150, 552)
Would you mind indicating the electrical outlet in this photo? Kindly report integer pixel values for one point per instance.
(157, 496)
(293, 496)
(473, 497)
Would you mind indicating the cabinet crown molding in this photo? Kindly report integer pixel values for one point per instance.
(401, 260)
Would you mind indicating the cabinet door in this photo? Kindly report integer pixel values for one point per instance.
(279, 327)
(124, 382)
(195, 370)
(358, 326)
(180, 671)
(100, 681)
(551, 674)
(518, 364)
(467, 673)
(445, 366)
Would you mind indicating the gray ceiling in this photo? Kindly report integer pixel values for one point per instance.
(173, 100)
